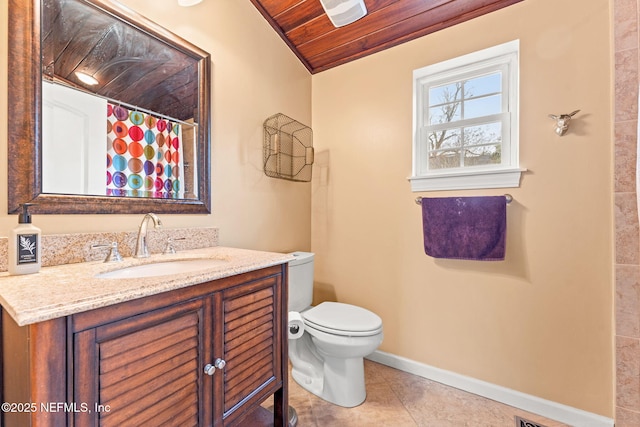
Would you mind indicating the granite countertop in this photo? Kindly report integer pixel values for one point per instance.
(73, 288)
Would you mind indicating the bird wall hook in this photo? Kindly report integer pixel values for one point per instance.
(562, 122)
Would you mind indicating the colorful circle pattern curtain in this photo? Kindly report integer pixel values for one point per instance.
(144, 155)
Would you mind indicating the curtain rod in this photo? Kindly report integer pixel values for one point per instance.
(124, 104)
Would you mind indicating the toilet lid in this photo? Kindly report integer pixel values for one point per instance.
(343, 319)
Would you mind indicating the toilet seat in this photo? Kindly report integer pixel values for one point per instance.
(343, 319)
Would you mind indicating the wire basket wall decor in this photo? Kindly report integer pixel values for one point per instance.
(287, 149)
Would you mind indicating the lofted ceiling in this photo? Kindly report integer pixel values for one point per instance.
(305, 27)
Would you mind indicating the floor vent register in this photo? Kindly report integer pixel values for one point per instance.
(521, 422)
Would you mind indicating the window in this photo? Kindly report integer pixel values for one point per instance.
(466, 122)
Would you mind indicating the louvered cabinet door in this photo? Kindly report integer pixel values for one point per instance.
(145, 370)
(251, 337)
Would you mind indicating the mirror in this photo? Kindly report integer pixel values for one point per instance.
(148, 86)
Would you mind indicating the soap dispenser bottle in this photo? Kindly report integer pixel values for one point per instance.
(24, 245)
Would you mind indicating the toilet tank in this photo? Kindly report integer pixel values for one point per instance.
(300, 281)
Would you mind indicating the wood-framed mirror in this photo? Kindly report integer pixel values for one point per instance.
(50, 43)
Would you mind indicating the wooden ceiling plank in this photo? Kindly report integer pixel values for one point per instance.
(299, 15)
(417, 27)
(306, 29)
(276, 7)
(372, 23)
(321, 25)
(70, 48)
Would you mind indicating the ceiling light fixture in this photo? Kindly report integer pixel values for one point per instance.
(86, 78)
(343, 12)
(187, 3)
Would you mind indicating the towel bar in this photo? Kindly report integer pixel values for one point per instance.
(509, 198)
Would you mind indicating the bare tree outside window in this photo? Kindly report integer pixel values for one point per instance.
(458, 135)
(466, 121)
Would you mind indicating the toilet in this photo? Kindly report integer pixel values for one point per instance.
(327, 342)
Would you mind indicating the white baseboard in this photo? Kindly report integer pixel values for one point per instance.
(546, 408)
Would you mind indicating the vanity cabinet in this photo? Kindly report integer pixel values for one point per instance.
(203, 355)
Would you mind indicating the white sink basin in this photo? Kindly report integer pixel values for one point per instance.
(162, 268)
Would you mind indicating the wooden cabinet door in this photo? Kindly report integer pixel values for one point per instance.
(146, 369)
(251, 340)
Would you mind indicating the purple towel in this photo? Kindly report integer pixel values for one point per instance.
(471, 228)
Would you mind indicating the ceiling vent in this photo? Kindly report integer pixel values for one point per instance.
(343, 12)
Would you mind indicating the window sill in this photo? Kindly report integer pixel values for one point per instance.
(502, 178)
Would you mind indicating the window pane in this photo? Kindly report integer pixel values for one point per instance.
(485, 155)
(449, 138)
(466, 115)
(444, 159)
(445, 93)
(479, 86)
(490, 133)
(479, 107)
(444, 103)
(445, 113)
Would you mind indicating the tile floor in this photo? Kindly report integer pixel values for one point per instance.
(399, 399)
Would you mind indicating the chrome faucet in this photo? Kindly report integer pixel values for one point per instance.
(142, 250)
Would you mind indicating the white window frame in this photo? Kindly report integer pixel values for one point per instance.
(502, 58)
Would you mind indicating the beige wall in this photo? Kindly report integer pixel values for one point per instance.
(541, 321)
(255, 75)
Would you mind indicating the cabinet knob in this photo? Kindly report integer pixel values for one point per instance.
(209, 369)
(220, 364)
